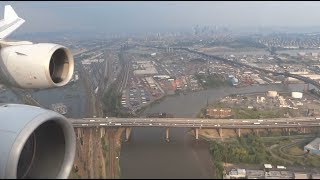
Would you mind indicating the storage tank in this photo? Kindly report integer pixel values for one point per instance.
(272, 93)
(296, 95)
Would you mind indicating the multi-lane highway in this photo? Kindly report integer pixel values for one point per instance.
(197, 123)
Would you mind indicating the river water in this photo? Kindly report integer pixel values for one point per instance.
(148, 155)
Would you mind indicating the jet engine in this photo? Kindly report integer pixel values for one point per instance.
(42, 65)
(35, 143)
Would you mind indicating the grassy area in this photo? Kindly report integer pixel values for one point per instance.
(254, 113)
(211, 81)
(112, 103)
(295, 150)
(245, 113)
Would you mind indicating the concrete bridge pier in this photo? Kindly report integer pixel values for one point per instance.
(268, 131)
(102, 132)
(128, 132)
(79, 133)
(289, 131)
(220, 132)
(304, 130)
(196, 131)
(239, 132)
(167, 135)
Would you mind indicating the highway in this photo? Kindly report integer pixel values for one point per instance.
(197, 123)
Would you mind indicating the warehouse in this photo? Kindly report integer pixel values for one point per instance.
(313, 147)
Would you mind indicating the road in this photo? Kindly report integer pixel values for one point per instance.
(235, 63)
(198, 123)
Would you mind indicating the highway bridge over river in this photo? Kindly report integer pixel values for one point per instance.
(300, 123)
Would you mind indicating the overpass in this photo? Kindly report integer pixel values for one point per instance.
(196, 124)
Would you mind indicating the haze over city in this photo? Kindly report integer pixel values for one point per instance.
(160, 90)
(130, 17)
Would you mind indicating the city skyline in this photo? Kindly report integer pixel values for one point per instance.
(131, 17)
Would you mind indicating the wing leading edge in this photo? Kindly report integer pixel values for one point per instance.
(10, 22)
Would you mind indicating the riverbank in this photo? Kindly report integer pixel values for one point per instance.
(148, 155)
(140, 111)
(250, 151)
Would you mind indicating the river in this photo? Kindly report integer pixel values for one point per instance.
(148, 155)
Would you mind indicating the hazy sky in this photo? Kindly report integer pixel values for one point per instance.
(129, 16)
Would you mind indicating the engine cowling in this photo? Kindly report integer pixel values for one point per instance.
(35, 143)
(41, 65)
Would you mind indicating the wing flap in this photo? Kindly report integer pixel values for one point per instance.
(10, 22)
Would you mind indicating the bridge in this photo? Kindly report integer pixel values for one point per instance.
(196, 124)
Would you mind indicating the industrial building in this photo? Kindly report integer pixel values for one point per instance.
(255, 174)
(218, 112)
(237, 174)
(296, 95)
(272, 94)
(146, 67)
(234, 81)
(300, 175)
(313, 147)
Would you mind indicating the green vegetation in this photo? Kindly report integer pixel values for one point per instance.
(211, 81)
(245, 113)
(254, 113)
(112, 103)
(253, 149)
(104, 145)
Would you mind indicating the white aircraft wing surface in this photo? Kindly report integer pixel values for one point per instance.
(10, 22)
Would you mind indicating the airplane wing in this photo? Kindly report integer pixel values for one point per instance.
(10, 22)
(35, 143)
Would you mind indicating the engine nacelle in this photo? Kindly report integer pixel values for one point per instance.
(35, 143)
(42, 65)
